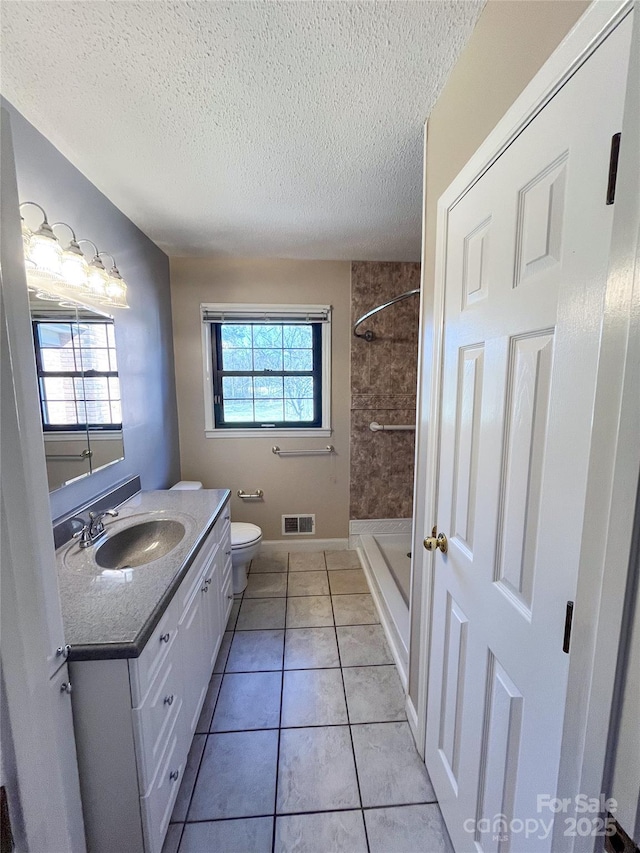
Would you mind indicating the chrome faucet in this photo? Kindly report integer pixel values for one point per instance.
(94, 528)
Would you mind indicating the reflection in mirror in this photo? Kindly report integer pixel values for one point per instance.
(79, 388)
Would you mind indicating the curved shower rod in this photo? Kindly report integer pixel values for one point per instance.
(368, 335)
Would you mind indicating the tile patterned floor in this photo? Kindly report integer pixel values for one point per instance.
(302, 744)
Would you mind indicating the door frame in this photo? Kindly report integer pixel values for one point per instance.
(615, 458)
(42, 784)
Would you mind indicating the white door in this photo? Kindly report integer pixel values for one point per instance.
(39, 768)
(526, 264)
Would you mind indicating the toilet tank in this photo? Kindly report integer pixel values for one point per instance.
(186, 485)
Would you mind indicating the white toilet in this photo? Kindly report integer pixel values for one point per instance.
(245, 542)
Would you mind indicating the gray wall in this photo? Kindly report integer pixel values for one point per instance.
(143, 333)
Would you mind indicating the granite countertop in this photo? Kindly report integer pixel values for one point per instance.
(112, 613)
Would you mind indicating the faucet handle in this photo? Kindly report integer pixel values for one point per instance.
(98, 516)
(96, 525)
(84, 535)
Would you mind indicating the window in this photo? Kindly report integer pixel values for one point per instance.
(266, 368)
(77, 375)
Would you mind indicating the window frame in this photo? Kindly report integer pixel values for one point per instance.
(60, 429)
(296, 313)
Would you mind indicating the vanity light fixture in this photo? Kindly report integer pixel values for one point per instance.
(115, 288)
(54, 272)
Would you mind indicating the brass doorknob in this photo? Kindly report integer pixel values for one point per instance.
(436, 541)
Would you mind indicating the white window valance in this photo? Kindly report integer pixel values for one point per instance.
(228, 313)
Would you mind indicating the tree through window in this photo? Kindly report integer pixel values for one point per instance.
(267, 374)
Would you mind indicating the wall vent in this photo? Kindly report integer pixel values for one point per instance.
(297, 524)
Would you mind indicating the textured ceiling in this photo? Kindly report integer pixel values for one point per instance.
(290, 129)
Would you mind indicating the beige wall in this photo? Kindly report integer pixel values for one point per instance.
(511, 41)
(308, 484)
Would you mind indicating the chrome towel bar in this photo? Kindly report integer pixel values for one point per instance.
(376, 427)
(86, 454)
(328, 449)
(245, 496)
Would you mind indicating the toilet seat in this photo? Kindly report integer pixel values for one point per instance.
(243, 534)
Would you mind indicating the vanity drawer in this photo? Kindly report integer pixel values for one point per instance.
(155, 718)
(144, 669)
(157, 806)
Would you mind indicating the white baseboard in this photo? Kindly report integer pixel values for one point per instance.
(271, 545)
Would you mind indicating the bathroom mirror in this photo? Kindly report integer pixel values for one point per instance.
(79, 388)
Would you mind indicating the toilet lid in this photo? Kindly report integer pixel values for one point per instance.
(243, 533)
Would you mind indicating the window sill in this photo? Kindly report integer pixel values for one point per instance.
(268, 433)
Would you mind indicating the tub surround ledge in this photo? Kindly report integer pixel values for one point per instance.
(110, 614)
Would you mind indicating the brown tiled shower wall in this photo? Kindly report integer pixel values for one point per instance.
(383, 389)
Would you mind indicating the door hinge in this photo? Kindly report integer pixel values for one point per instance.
(568, 621)
(613, 167)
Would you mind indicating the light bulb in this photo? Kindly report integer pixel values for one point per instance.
(116, 289)
(46, 253)
(120, 295)
(75, 268)
(97, 280)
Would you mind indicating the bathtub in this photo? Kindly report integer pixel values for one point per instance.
(386, 561)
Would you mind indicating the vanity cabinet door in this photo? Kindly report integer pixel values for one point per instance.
(60, 687)
(192, 638)
(226, 581)
(213, 626)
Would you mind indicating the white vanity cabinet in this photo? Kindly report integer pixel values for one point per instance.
(135, 718)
